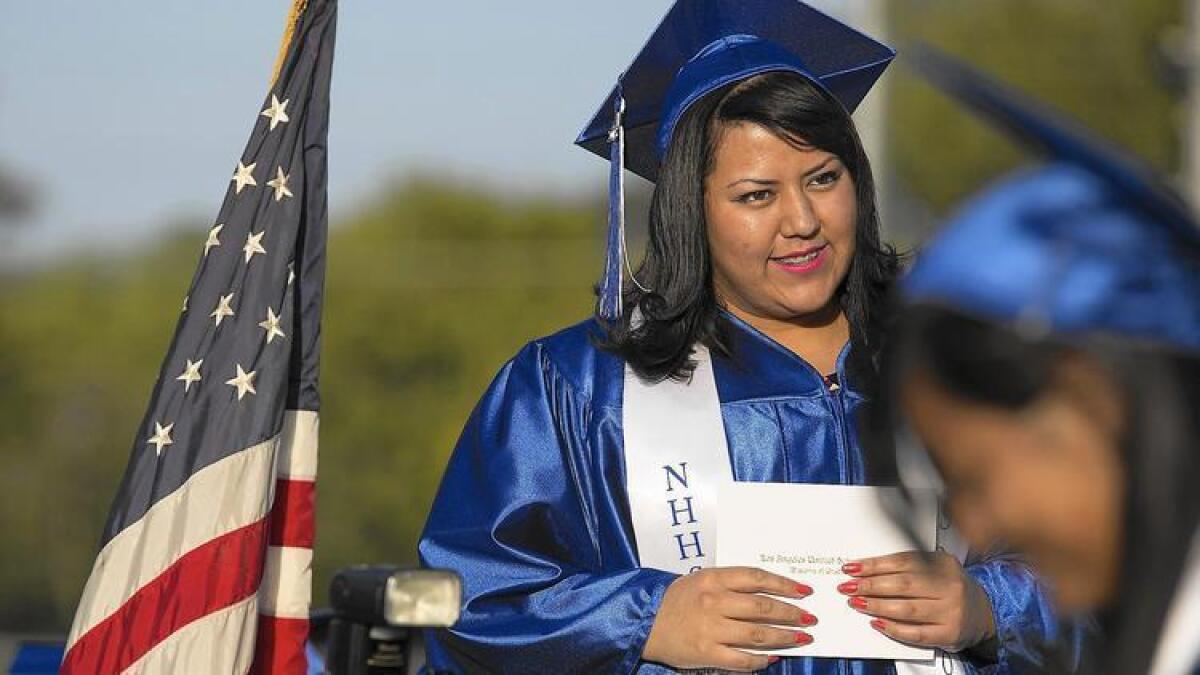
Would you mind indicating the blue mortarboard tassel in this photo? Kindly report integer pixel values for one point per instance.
(611, 290)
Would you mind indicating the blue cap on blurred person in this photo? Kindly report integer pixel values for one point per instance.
(702, 46)
(1091, 244)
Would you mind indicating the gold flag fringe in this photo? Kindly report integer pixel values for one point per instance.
(289, 31)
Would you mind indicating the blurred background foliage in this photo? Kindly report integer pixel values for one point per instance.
(428, 291)
(1107, 64)
(434, 283)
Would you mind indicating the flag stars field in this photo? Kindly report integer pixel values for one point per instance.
(271, 325)
(254, 245)
(191, 373)
(277, 112)
(279, 182)
(243, 382)
(223, 309)
(244, 177)
(161, 437)
(212, 238)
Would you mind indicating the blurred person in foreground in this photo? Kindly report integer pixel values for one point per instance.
(761, 286)
(1046, 357)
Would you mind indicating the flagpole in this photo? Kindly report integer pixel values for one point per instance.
(289, 30)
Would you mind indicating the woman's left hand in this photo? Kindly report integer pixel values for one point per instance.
(930, 603)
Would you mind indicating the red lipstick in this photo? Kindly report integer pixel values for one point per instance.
(802, 261)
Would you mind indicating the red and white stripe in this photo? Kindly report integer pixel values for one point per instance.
(182, 589)
(285, 596)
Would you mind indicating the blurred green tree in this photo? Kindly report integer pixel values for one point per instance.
(1099, 62)
(428, 295)
(428, 292)
(77, 346)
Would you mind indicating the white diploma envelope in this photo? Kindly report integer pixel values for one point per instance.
(807, 532)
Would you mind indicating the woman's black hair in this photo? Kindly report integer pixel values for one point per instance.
(997, 366)
(681, 308)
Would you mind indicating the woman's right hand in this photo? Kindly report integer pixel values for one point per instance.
(708, 617)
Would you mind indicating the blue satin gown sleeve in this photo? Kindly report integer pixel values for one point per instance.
(1025, 618)
(512, 519)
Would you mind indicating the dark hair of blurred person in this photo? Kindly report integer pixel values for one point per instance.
(1047, 356)
(1081, 455)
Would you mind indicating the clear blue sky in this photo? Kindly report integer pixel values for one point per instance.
(128, 114)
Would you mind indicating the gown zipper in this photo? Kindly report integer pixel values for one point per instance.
(833, 390)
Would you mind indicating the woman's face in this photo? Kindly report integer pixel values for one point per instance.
(781, 224)
(1044, 481)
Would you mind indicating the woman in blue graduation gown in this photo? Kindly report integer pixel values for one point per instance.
(532, 511)
(1048, 355)
(764, 251)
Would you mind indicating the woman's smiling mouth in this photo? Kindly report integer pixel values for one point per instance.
(800, 262)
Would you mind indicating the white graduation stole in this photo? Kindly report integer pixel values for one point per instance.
(676, 459)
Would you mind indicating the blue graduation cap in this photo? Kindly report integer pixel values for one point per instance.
(701, 46)
(1092, 243)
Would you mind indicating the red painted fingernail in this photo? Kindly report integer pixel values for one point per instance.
(804, 589)
(848, 587)
(858, 603)
(772, 659)
(852, 567)
(807, 619)
(878, 624)
(803, 638)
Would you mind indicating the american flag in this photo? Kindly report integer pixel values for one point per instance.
(205, 562)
